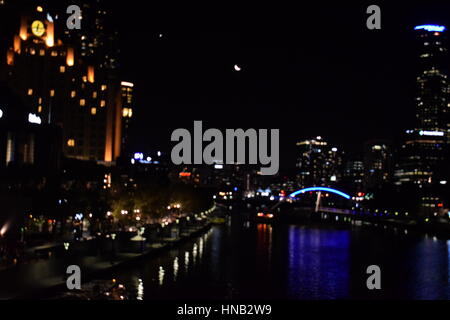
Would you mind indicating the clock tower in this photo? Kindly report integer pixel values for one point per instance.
(38, 28)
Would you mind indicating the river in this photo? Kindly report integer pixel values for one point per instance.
(242, 260)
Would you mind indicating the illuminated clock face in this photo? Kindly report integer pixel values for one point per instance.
(38, 28)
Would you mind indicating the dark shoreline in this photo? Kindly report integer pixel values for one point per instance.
(49, 293)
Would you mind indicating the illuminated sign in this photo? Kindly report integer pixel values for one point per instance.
(32, 118)
(342, 194)
(430, 27)
(431, 133)
(185, 174)
(138, 156)
(127, 84)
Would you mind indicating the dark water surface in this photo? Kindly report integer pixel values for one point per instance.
(243, 260)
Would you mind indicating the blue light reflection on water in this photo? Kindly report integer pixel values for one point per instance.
(318, 265)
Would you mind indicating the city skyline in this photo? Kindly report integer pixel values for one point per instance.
(340, 80)
(151, 153)
(344, 79)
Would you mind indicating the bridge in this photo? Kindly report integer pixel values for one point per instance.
(319, 191)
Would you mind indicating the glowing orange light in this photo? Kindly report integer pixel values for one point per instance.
(23, 29)
(70, 58)
(10, 57)
(17, 44)
(50, 40)
(260, 214)
(90, 74)
(185, 174)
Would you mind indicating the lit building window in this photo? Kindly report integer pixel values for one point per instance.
(50, 39)
(70, 58)
(10, 57)
(39, 109)
(52, 93)
(93, 111)
(104, 87)
(42, 52)
(90, 74)
(127, 112)
(71, 143)
(30, 92)
(40, 100)
(82, 102)
(54, 54)
(62, 69)
(32, 51)
(102, 103)
(94, 94)
(17, 44)
(84, 78)
(73, 93)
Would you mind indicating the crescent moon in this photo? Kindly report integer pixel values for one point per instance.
(237, 68)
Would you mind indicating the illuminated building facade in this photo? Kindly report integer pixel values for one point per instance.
(68, 80)
(125, 115)
(25, 144)
(377, 163)
(353, 175)
(318, 164)
(423, 152)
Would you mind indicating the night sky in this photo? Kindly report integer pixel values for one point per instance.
(307, 70)
(311, 70)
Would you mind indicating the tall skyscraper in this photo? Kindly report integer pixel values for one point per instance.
(318, 163)
(68, 78)
(423, 152)
(353, 177)
(126, 107)
(377, 163)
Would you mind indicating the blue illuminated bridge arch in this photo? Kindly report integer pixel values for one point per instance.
(340, 193)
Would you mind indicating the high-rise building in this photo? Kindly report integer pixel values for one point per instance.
(318, 163)
(354, 175)
(424, 149)
(377, 163)
(68, 78)
(24, 143)
(126, 110)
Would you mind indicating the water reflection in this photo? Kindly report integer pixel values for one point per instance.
(448, 269)
(175, 268)
(140, 290)
(200, 248)
(264, 246)
(186, 261)
(161, 276)
(194, 253)
(318, 263)
(299, 262)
